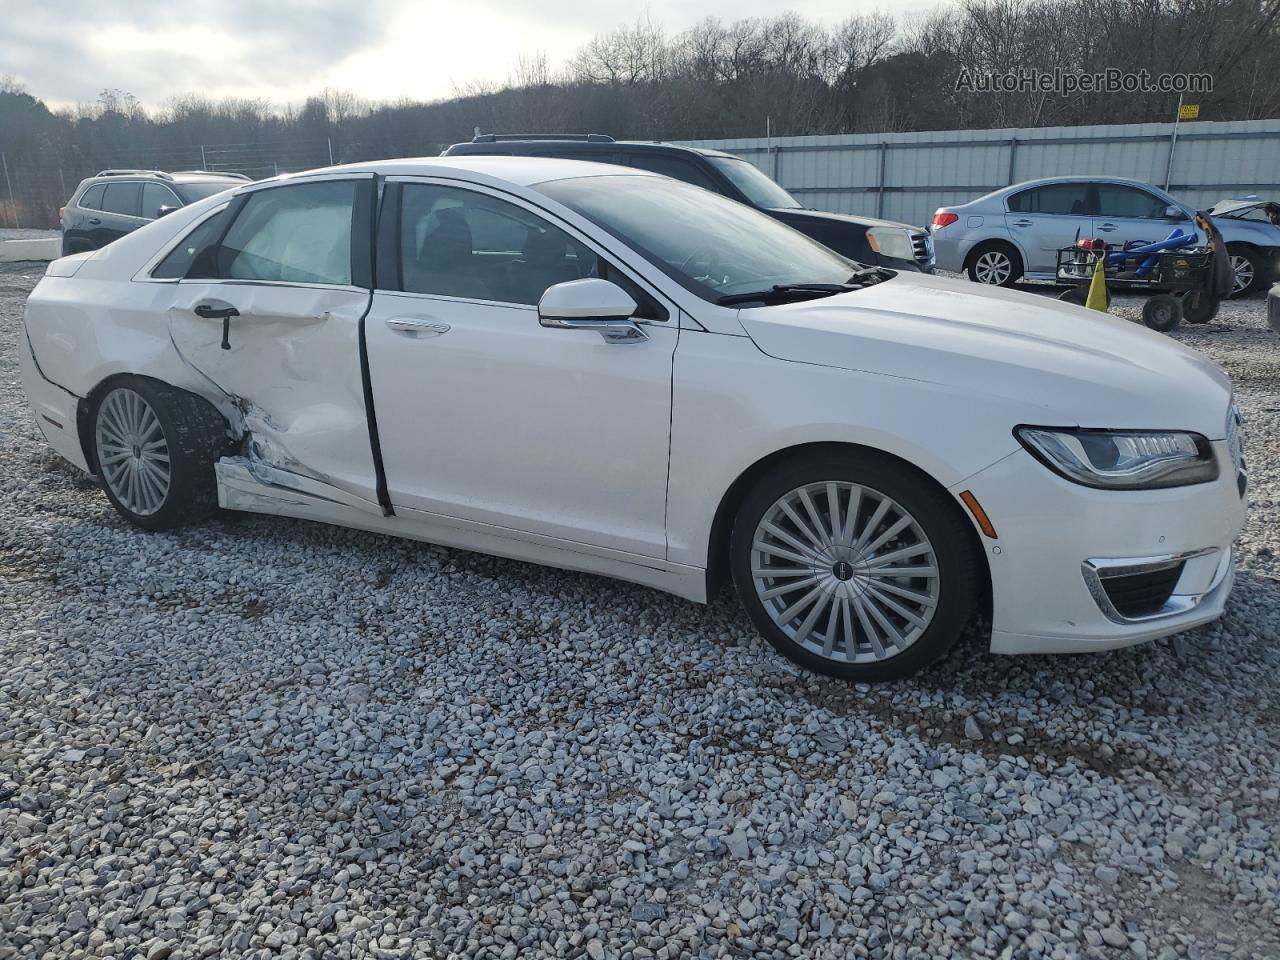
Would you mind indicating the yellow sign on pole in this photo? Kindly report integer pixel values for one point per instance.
(1189, 111)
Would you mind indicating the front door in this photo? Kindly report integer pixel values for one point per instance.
(1042, 220)
(485, 415)
(1129, 214)
(290, 361)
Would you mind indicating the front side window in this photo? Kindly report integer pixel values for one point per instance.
(121, 198)
(298, 233)
(1071, 199)
(709, 244)
(759, 190)
(155, 196)
(1116, 200)
(459, 243)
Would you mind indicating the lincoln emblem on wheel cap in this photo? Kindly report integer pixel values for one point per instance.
(843, 570)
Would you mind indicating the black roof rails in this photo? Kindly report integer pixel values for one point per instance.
(133, 173)
(581, 137)
(211, 173)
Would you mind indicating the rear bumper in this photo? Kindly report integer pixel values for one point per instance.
(1059, 543)
(55, 409)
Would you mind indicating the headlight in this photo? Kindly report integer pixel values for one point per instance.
(1122, 459)
(891, 242)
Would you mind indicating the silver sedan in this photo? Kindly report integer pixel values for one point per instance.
(1015, 233)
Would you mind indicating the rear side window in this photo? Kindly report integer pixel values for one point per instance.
(193, 257)
(122, 198)
(299, 233)
(92, 198)
(1071, 199)
(674, 167)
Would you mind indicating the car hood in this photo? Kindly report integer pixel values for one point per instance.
(1056, 364)
(818, 216)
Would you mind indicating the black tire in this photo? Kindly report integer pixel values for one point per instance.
(976, 261)
(1250, 259)
(949, 536)
(1199, 306)
(195, 437)
(1162, 312)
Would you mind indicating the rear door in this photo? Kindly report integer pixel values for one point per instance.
(1044, 219)
(294, 262)
(120, 213)
(1129, 214)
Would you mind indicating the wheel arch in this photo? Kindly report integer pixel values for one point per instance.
(989, 243)
(726, 510)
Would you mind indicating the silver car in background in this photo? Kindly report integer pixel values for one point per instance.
(1015, 233)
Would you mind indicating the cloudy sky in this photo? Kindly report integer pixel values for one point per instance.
(66, 51)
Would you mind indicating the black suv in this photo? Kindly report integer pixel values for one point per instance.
(863, 239)
(116, 202)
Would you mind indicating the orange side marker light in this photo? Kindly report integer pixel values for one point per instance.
(980, 515)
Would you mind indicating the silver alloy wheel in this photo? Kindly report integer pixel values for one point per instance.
(1242, 272)
(845, 571)
(993, 267)
(133, 455)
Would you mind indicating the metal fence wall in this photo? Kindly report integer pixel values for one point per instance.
(906, 176)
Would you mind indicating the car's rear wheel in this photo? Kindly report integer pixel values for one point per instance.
(1247, 269)
(995, 264)
(154, 447)
(854, 566)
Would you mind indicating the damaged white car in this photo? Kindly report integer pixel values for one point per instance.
(605, 370)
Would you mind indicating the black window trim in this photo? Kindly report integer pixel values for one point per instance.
(389, 240)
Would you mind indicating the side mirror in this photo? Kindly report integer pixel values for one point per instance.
(165, 211)
(591, 304)
(1172, 212)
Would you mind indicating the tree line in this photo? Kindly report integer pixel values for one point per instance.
(783, 75)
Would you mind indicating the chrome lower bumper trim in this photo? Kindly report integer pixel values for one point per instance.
(1188, 593)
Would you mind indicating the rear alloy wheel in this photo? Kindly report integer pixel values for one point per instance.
(853, 567)
(996, 266)
(155, 448)
(1246, 269)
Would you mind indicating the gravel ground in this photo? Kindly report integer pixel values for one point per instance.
(267, 738)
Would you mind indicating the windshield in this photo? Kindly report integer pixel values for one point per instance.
(758, 188)
(709, 244)
(198, 191)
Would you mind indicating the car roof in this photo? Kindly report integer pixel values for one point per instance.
(522, 171)
(488, 147)
(1077, 178)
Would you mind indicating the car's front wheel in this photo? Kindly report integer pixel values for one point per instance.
(154, 447)
(854, 565)
(1247, 269)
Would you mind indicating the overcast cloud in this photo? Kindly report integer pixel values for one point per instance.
(66, 51)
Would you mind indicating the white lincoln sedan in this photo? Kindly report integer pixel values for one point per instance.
(605, 370)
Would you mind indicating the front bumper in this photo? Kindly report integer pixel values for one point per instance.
(1061, 547)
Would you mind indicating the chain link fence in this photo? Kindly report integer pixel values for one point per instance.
(32, 193)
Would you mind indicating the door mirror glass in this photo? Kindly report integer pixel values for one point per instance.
(1172, 212)
(165, 211)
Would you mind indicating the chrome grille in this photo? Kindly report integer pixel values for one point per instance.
(922, 245)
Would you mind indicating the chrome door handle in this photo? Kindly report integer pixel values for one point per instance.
(1108, 227)
(1023, 223)
(417, 326)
